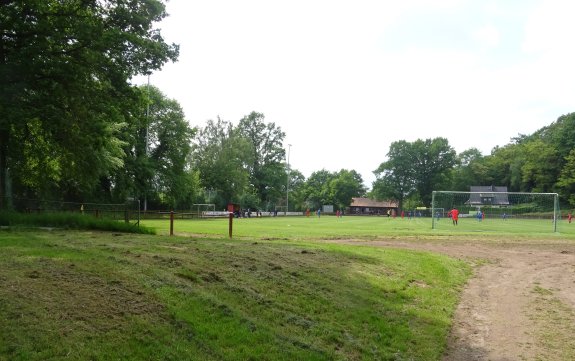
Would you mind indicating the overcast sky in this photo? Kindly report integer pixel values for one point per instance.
(345, 79)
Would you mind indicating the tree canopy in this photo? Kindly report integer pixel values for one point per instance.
(65, 96)
(414, 169)
(73, 127)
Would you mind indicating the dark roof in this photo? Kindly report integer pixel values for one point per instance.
(488, 195)
(367, 202)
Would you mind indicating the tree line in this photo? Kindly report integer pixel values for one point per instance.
(541, 162)
(74, 128)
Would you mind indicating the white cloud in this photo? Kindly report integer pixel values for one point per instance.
(487, 36)
(549, 28)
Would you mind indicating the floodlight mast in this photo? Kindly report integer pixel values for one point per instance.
(287, 180)
(147, 138)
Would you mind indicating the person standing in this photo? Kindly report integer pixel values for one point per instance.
(454, 216)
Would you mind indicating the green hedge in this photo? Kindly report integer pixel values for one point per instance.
(69, 221)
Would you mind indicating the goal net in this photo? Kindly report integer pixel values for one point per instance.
(497, 211)
(207, 210)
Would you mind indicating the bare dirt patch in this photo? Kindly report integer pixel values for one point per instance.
(519, 305)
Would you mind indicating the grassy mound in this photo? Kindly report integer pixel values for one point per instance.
(95, 296)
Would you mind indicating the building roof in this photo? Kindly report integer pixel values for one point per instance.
(495, 195)
(367, 202)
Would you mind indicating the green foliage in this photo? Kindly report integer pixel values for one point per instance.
(243, 163)
(530, 163)
(267, 171)
(297, 198)
(221, 158)
(69, 221)
(337, 189)
(316, 192)
(539, 171)
(566, 182)
(64, 91)
(157, 148)
(468, 170)
(395, 177)
(344, 186)
(414, 168)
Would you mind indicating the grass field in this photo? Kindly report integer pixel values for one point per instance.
(330, 227)
(273, 292)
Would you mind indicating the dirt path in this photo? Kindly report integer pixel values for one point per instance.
(520, 304)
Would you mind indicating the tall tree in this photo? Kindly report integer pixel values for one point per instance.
(539, 171)
(395, 178)
(296, 190)
(266, 167)
(433, 161)
(65, 67)
(566, 181)
(345, 185)
(420, 167)
(167, 137)
(222, 157)
(316, 191)
(467, 171)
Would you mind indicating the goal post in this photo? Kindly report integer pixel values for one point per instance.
(205, 210)
(493, 211)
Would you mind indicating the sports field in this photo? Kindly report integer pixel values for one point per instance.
(275, 291)
(331, 227)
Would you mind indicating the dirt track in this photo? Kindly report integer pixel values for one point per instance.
(520, 304)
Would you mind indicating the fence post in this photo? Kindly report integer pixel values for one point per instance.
(231, 222)
(171, 223)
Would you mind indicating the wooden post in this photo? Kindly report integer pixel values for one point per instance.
(171, 223)
(231, 222)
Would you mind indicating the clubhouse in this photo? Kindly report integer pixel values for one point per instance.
(366, 206)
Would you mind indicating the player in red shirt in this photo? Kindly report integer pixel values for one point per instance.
(454, 213)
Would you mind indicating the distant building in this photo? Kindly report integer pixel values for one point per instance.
(367, 206)
(488, 195)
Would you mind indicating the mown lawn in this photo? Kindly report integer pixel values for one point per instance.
(75, 295)
(330, 227)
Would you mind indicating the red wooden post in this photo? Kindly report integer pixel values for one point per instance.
(171, 223)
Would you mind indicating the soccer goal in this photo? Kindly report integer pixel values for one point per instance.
(204, 210)
(497, 211)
